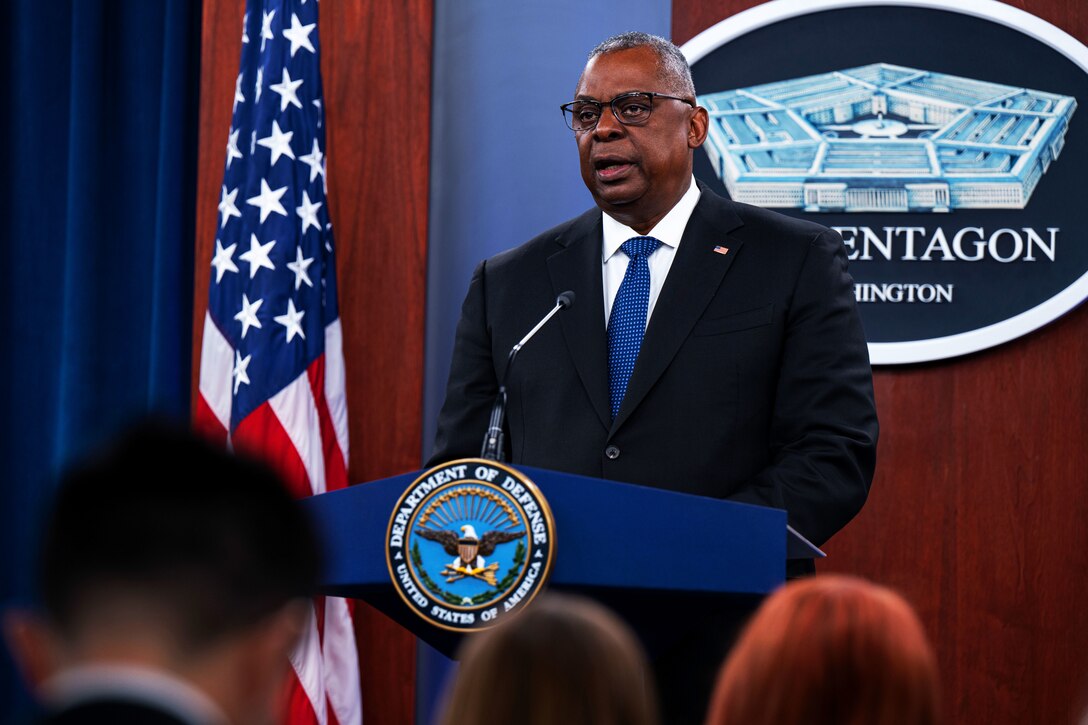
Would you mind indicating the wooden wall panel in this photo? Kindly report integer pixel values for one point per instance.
(377, 74)
(979, 510)
(377, 71)
(376, 68)
(220, 52)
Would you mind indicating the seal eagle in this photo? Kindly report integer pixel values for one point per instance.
(469, 548)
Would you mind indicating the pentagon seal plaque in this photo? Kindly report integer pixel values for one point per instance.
(470, 542)
(942, 139)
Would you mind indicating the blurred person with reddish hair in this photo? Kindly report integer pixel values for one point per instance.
(829, 650)
(563, 661)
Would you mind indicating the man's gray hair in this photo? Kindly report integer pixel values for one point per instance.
(674, 65)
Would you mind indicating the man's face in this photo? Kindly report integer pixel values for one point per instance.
(637, 173)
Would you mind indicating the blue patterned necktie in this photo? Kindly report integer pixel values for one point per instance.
(627, 322)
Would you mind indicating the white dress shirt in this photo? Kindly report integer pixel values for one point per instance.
(669, 231)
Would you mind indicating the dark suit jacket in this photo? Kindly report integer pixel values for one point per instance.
(112, 712)
(753, 382)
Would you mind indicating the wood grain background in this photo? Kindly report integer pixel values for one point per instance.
(979, 508)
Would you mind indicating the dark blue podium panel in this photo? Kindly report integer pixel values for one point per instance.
(352, 524)
(634, 537)
(639, 549)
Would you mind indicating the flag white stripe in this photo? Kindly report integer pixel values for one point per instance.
(216, 366)
(341, 663)
(335, 384)
(296, 410)
(309, 667)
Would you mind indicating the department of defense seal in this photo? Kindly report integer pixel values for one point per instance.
(469, 542)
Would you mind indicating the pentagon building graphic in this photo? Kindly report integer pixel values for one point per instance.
(884, 138)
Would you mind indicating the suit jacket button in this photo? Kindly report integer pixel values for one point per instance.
(612, 452)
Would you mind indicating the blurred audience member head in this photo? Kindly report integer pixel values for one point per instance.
(172, 569)
(562, 661)
(829, 650)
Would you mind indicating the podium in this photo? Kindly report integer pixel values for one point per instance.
(651, 555)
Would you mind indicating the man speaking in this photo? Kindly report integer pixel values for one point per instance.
(714, 347)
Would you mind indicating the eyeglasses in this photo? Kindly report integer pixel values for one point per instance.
(630, 109)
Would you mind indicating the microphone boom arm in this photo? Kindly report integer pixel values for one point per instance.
(492, 448)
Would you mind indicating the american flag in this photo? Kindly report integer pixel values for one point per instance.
(272, 368)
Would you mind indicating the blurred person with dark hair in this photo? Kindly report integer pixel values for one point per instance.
(829, 650)
(563, 661)
(173, 579)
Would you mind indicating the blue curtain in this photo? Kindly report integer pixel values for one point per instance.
(96, 206)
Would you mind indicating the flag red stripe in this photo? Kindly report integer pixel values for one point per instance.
(332, 713)
(299, 710)
(207, 424)
(262, 435)
(336, 475)
(319, 612)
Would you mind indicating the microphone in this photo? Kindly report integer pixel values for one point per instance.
(493, 439)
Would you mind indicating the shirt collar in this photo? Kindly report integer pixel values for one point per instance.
(669, 230)
(137, 684)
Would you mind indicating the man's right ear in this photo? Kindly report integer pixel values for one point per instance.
(699, 128)
(33, 645)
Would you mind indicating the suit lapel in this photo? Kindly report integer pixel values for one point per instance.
(577, 266)
(694, 278)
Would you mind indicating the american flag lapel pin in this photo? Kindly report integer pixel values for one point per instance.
(721, 250)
